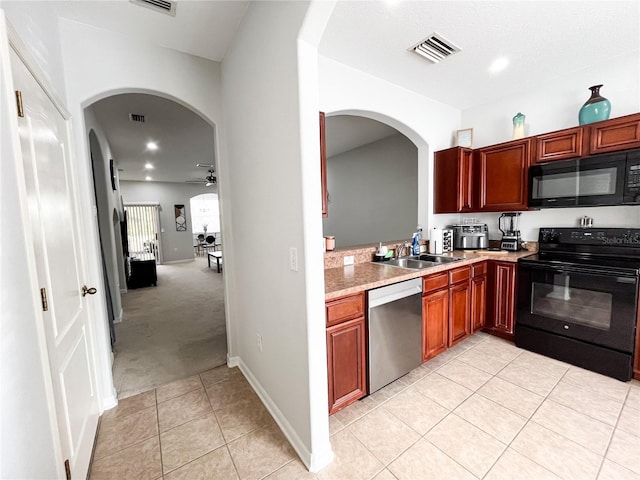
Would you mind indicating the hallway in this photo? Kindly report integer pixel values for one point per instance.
(172, 331)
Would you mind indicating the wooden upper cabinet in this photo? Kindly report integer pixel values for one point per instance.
(453, 185)
(616, 134)
(502, 172)
(323, 167)
(560, 145)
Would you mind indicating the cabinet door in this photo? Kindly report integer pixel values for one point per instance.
(560, 145)
(478, 302)
(346, 363)
(617, 134)
(502, 173)
(323, 167)
(460, 312)
(501, 307)
(453, 180)
(435, 320)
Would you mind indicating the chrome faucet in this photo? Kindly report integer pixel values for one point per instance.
(403, 248)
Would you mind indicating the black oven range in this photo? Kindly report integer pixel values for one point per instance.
(577, 298)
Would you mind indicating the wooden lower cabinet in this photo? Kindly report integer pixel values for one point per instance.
(459, 307)
(478, 297)
(346, 363)
(435, 323)
(501, 292)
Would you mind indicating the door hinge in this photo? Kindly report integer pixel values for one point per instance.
(67, 469)
(43, 296)
(19, 103)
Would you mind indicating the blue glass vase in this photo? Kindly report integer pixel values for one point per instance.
(596, 109)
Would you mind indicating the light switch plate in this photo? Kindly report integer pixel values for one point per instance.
(348, 260)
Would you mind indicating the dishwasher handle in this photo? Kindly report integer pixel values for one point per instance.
(396, 291)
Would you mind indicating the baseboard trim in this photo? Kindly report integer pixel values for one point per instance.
(118, 319)
(313, 463)
(123, 290)
(110, 401)
(186, 260)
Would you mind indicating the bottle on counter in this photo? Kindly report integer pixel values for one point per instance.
(415, 243)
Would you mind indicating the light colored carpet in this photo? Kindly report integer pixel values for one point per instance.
(171, 331)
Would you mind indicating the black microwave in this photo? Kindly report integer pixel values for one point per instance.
(608, 179)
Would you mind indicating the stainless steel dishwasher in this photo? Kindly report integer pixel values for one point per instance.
(395, 331)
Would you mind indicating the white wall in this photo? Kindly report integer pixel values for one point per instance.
(373, 192)
(29, 444)
(176, 246)
(265, 118)
(430, 125)
(555, 106)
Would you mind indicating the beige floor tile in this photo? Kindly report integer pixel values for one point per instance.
(588, 401)
(613, 471)
(189, 441)
(541, 364)
(488, 416)
(352, 460)
(633, 398)
(242, 417)
(417, 374)
(391, 390)
(528, 378)
(515, 398)
(178, 388)
(218, 374)
(397, 436)
(355, 411)
(484, 361)
(226, 392)
(629, 420)
(582, 429)
(117, 433)
(472, 448)
(181, 409)
(295, 469)
(597, 383)
(466, 375)
(625, 450)
(140, 462)
(443, 391)
(556, 453)
(335, 425)
(512, 465)
(501, 348)
(384, 475)
(260, 452)
(424, 461)
(216, 465)
(419, 412)
(133, 404)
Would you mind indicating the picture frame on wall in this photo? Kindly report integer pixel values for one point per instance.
(464, 138)
(181, 218)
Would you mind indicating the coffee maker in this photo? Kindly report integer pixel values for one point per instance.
(508, 225)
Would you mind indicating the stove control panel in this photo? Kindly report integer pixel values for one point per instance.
(621, 237)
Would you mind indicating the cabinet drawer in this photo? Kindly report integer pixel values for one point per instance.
(478, 269)
(345, 308)
(435, 282)
(459, 275)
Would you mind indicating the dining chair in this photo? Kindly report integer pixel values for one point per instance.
(210, 241)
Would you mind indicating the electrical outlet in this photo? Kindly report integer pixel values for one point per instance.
(293, 258)
(259, 341)
(348, 260)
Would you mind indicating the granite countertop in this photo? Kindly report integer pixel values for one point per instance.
(356, 278)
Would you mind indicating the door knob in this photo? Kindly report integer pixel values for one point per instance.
(90, 291)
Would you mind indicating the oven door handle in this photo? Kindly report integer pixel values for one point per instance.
(626, 277)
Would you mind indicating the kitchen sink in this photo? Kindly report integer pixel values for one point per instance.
(419, 262)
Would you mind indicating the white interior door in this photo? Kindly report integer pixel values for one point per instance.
(45, 142)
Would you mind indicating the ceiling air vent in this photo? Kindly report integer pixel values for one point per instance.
(164, 6)
(435, 48)
(134, 117)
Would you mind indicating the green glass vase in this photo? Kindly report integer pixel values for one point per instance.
(596, 109)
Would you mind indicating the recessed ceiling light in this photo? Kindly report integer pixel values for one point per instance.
(152, 146)
(148, 166)
(147, 178)
(498, 65)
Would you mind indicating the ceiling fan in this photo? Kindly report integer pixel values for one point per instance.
(210, 179)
